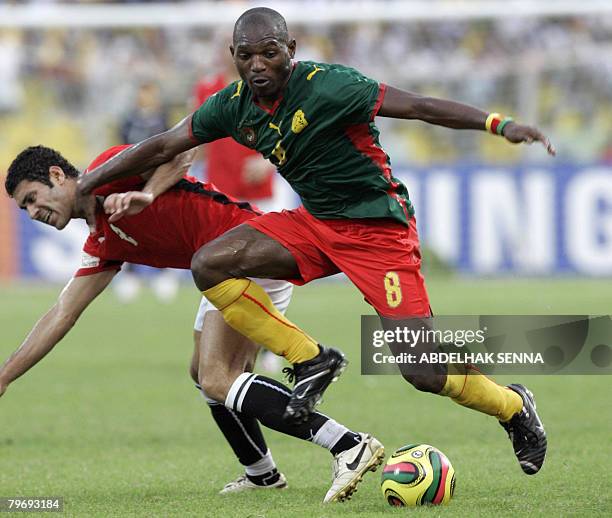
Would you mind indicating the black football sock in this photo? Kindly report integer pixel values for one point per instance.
(265, 479)
(346, 442)
(245, 438)
(265, 399)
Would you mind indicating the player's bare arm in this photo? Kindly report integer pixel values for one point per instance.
(54, 325)
(168, 174)
(400, 104)
(158, 182)
(141, 157)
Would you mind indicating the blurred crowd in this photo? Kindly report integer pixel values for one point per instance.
(72, 88)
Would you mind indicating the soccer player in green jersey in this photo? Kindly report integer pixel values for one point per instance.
(315, 122)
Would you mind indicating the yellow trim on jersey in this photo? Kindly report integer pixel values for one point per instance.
(238, 90)
(311, 75)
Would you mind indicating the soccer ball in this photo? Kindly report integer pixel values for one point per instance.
(418, 474)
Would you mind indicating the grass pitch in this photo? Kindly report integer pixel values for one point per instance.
(111, 422)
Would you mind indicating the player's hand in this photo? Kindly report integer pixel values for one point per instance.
(517, 134)
(85, 204)
(126, 204)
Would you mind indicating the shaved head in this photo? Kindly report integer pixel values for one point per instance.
(263, 53)
(260, 19)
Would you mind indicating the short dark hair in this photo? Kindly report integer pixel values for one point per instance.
(263, 16)
(33, 164)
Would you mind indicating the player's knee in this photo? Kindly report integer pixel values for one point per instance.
(213, 386)
(216, 380)
(210, 267)
(201, 268)
(426, 382)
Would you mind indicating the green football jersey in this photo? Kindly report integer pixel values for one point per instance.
(321, 137)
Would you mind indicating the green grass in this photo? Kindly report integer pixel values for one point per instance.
(111, 421)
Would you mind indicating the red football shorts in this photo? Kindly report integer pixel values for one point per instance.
(380, 256)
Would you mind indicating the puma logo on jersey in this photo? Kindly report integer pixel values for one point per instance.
(299, 122)
(123, 235)
(311, 75)
(238, 90)
(275, 128)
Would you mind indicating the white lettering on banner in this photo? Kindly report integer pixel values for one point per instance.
(55, 255)
(539, 222)
(505, 224)
(588, 221)
(495, 219)
(443, 215)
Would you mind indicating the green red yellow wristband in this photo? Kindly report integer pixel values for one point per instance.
(495, 123)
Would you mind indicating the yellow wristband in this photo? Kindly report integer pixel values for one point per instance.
(490, 119)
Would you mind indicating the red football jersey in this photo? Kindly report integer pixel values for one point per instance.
(225, 157)
(168, 232)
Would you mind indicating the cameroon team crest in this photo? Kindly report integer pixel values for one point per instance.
(299, 121)
(248, 136)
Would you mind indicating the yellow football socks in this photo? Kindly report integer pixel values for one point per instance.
(248, 309)
(474, 390)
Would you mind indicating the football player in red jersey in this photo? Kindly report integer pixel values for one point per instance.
(167, 233)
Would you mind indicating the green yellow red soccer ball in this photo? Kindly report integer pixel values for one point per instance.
(418, 474)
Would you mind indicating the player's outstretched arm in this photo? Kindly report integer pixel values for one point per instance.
(159, 181)
(141, 157)
(54, 325)
(400, 104)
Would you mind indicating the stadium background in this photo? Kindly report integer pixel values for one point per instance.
(508, 230)
(483, 206)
